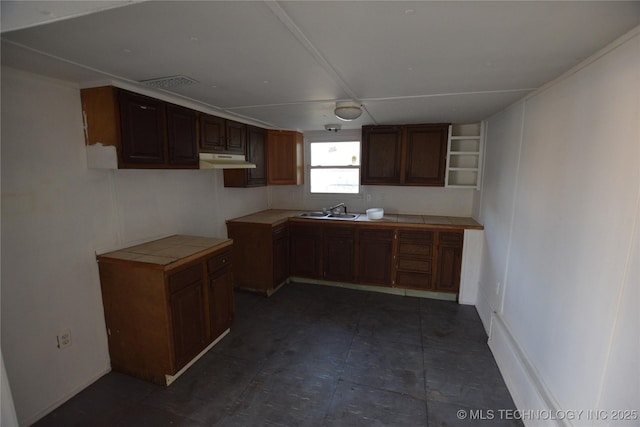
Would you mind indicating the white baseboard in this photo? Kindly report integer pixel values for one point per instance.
(532, 399)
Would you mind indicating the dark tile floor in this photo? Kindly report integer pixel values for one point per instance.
(314, 355)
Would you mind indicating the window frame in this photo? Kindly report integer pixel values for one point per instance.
(350, 135)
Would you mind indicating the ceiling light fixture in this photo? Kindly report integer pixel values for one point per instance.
(348, 110)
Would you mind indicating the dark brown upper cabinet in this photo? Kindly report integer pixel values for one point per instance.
(182, 135)
(212, 133)
(143, 129)
(218, 135)
(404, 155)
(426, 154)
(256, 154)
(381, 155)
(147, 132)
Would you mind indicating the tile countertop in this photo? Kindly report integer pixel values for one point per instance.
(167, 251)
(276, 216)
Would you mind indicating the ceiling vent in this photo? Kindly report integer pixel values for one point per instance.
(169, 82)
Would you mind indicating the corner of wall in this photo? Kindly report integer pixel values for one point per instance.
(529, 394)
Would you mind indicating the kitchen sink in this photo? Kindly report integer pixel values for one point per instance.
(314, 214)
(322, 215)
(343, 216)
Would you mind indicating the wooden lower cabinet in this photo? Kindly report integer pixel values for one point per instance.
(188, 313)
(305, 248)
(414, 259)
(260, 256)
(338, 261)
(406, 257)
(160, 316)
(429, 260)
(375, 256)
(220, 284)
(280, 245)
(449, 261)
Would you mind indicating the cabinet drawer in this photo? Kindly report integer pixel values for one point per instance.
(418, 265)
(451, 238)
(219, 261)
(415, 248)
(185, 278)
(405, 279)
(416, 236)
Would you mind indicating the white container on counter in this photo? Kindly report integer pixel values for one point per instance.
(375, 213)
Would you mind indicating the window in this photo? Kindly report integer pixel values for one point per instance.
(335, 167)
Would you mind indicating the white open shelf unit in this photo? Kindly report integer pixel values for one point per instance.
(464, 155)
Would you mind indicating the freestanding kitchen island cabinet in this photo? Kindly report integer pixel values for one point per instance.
(166, 303)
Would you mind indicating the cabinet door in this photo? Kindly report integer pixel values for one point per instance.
(381, 155)
(181, 135)
(143, 129)
(236, 137)
(305, 250)
(426, 151)
(220, 292)
(212, 133)
(375, 257)
(221, 303)
(255, 153)
(285, 158)
(280, 254)
(449, 261)
(187, 314)
(339, 253)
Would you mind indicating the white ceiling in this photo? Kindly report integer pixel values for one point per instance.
(285, 64)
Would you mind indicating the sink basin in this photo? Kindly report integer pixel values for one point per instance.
(313, 214)
(322, 215)
(343, 216)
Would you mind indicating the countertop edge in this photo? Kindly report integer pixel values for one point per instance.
(289, 215)
(104, 259)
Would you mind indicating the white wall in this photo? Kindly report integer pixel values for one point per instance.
(56, 214)
(560, 199)
(407, 200)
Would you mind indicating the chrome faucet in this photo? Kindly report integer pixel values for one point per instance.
(336, 209)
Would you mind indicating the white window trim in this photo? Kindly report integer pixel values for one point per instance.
(326, 136)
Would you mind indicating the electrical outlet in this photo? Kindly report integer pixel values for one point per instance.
(64, 339)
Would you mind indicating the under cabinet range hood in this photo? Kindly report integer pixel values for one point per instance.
(224, 161)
